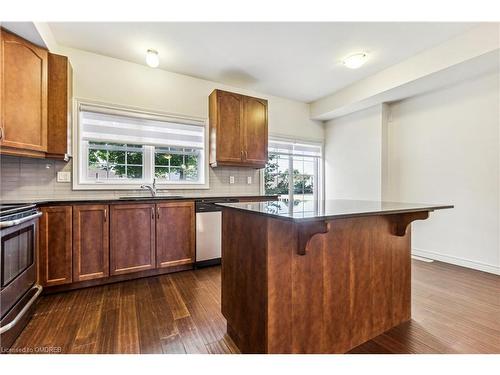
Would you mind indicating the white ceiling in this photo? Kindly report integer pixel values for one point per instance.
(293, 60)
(26, 30)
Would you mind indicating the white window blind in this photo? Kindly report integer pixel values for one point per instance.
(294, 148)
(106, 125)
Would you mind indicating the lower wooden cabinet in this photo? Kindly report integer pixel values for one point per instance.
(55, 246)
(90, 242)
(132, 238)
(175, 233)
(96, 241)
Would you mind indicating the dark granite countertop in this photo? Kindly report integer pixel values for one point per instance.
(300, 211)
(142, 199)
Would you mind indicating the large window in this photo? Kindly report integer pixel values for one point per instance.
(293, 172)
(122, 149)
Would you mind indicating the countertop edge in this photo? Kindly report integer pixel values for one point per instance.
(135, 200)
(338, 216)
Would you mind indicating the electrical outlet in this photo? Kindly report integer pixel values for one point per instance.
(249, 180)
(231, 179)
(63, 176)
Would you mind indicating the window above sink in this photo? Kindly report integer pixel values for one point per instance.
(123, 148)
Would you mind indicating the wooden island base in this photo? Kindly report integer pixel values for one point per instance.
(352, 284)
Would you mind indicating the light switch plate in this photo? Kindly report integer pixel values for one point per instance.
(63, 176)
(249, 180)
(231, 179)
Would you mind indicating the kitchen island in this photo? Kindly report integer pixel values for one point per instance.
(316, 277)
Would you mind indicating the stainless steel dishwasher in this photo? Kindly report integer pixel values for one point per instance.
(209, 231)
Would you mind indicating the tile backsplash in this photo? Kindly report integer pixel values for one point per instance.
(24, 179)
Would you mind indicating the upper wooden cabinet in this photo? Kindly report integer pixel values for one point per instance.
(90, 242)
(238, 130)
(175, 233)
(35, 100)
(60, 93)
(55, 247)
(23, 96)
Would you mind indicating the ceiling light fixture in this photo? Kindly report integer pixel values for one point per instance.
(152, 58)
(355, 61)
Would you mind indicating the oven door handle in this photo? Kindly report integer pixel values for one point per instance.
(26, 307)
(11, 223)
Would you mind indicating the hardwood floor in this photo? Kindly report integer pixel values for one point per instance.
(455, 310)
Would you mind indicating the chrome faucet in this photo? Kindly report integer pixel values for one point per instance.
(151, 188)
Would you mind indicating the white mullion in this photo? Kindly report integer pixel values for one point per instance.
(290, 179)
(316, 182)
(126, 164)
(148, 161)
(107, 165)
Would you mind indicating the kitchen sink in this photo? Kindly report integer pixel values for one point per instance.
(146, 198)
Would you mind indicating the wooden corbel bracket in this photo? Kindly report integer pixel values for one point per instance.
(306, 231)
(400, 222)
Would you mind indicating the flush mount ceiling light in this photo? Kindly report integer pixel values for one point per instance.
(152, 58)
(355, 61)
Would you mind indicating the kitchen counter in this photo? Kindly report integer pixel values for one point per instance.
(300, 211)
(143, 199)
(301, 280)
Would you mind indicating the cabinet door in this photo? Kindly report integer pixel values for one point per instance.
(255, 131)
(90, 242)
(132, 238)
(175, 233)
(60, 92)
(23, 94)
(55, 237)
(229, 119)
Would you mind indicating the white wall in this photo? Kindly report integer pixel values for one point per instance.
(110, 80)
(440, 147)
(354, 155)
(444, 148)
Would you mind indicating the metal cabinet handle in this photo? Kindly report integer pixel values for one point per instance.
(152, 213)
(105, 214)
(26, 307)
(157, 212)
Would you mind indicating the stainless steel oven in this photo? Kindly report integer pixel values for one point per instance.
(18, 288)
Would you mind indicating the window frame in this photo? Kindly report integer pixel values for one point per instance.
(80, 152)
(320, 167)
